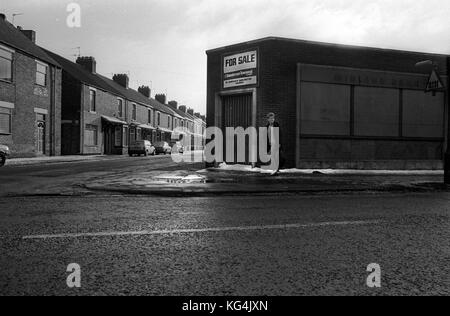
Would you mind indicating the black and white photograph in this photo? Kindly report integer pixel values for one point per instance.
(220, 157)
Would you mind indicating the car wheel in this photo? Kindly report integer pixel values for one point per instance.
(2, 160)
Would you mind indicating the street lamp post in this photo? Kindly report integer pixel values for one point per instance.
(447, 152)
(434, 66)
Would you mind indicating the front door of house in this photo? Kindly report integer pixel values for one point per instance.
(40, 134)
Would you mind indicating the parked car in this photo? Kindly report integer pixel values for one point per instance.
(177, 147)
(163, 148)
(4, 153)
(141, 147)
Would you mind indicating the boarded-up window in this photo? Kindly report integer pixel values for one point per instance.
(376, 112)
(423, 114)
(91, 135)
(5, 121)
(325, 109)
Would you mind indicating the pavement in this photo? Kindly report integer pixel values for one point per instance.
(59, 159)
(237, 182)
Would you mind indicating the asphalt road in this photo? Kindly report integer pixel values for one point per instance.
(68, 178)
(226, 245)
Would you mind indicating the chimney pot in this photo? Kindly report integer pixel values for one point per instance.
(122, 79)
(88, 63)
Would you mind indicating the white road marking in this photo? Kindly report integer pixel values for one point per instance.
(201, 230)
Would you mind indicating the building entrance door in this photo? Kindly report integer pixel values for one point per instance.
(237, 112)
(40, 135)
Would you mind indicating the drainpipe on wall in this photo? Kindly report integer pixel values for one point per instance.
(53, 111)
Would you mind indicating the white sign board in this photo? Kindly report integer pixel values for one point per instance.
(240, 69)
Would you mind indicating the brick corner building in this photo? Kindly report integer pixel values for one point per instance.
(30, 95)
(338, 106)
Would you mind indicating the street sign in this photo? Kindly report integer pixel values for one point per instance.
(434, 82)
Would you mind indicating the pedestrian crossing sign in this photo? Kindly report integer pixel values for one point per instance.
(434, 82)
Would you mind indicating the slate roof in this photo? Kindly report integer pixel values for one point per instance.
(12, 37)
(106, 84)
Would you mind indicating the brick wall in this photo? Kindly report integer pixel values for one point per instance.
(27, 96)
(277, 90)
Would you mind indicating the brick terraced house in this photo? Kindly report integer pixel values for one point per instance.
(30, 95)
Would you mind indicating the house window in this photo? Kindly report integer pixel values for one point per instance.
(150, 117)
(41, 74)
(134, 112)
(168, 121)
(91, 135)
(159, 119)
(92, 100)
(6, 60)
(5, 121)
(120, 107)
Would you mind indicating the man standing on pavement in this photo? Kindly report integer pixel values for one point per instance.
(273, 127)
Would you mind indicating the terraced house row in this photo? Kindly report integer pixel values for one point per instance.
(52, 106)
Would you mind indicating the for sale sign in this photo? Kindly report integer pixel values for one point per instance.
(240, 69)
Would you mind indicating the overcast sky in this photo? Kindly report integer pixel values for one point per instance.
(162, 43)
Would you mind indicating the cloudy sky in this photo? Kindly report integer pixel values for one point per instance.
(162, 43)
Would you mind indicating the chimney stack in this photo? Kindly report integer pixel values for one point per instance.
(2, 17)
(161, 98)
(145, 91)
(197, 115)
(173, 104)
(30, 34)
(182, 108)
(191, 112)
(203, 118)
(122, 79)
(88, 63)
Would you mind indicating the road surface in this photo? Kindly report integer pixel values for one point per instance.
(237, 245)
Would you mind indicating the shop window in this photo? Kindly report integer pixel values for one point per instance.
(376, 112)
(423, 114)
(325, 109)
(91, 135)
(41, 74)
(92, 100)
(138, 134)
(125, 136)
(6, 65)
(118, 136)
(5, 121)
